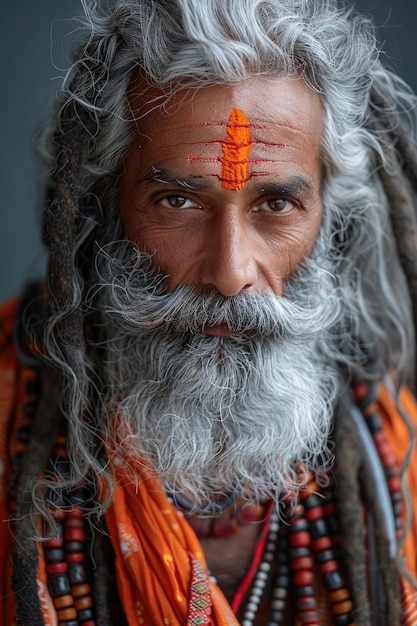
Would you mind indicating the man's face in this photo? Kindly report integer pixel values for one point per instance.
(218, 380)
(223, 187)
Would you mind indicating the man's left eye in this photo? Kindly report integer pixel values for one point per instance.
(177, 202)
(277, 205)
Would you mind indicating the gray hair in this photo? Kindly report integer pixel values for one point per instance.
(184, 43)
(177, 44)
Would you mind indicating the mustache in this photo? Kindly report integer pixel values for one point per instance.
(131, 291)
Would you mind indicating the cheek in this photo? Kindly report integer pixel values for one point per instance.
(171, 254)
(138, 224)
(296, 244)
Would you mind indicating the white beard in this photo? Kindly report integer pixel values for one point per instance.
(217, 414)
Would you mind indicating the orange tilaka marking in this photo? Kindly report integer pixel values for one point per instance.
(236, 150)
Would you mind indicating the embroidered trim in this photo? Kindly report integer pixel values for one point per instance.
(200, 595)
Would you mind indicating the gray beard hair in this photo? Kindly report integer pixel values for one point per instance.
(218, 414)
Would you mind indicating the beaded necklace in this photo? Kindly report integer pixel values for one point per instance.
(66, 553)
(292, 554)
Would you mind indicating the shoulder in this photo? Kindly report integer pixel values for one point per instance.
(16, 371)
(17, 355)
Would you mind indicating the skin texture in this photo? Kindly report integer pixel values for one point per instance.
(176, 204)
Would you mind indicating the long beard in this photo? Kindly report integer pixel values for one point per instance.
(216, 414)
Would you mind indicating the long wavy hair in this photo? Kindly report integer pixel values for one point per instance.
(177, 44)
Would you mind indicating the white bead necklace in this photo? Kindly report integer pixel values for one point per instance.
(261, 579)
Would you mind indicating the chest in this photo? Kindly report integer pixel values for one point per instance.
(254, 579)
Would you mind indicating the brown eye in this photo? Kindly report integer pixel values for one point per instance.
(177, 202)
(279, 205)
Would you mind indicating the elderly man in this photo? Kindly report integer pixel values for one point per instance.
(204, 410)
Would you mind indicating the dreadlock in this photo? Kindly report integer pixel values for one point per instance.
(60, 233)
(177, 43)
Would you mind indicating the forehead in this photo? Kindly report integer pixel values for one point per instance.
(231, 132)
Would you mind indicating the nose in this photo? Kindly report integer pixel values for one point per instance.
(229, 262)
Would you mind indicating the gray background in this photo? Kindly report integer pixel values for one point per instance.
(34, 45)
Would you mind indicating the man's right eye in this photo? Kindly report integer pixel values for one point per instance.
(177, 202)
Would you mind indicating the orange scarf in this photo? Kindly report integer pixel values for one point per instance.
(160, 566)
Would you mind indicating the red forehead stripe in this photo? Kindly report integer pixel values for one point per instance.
(236, 148)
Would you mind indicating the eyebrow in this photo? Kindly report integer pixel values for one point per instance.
(293, 186)
(154, 175)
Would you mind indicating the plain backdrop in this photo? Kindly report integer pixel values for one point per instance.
(34, 42)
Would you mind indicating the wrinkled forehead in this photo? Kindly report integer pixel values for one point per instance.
(266, 96)
(238, 129)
